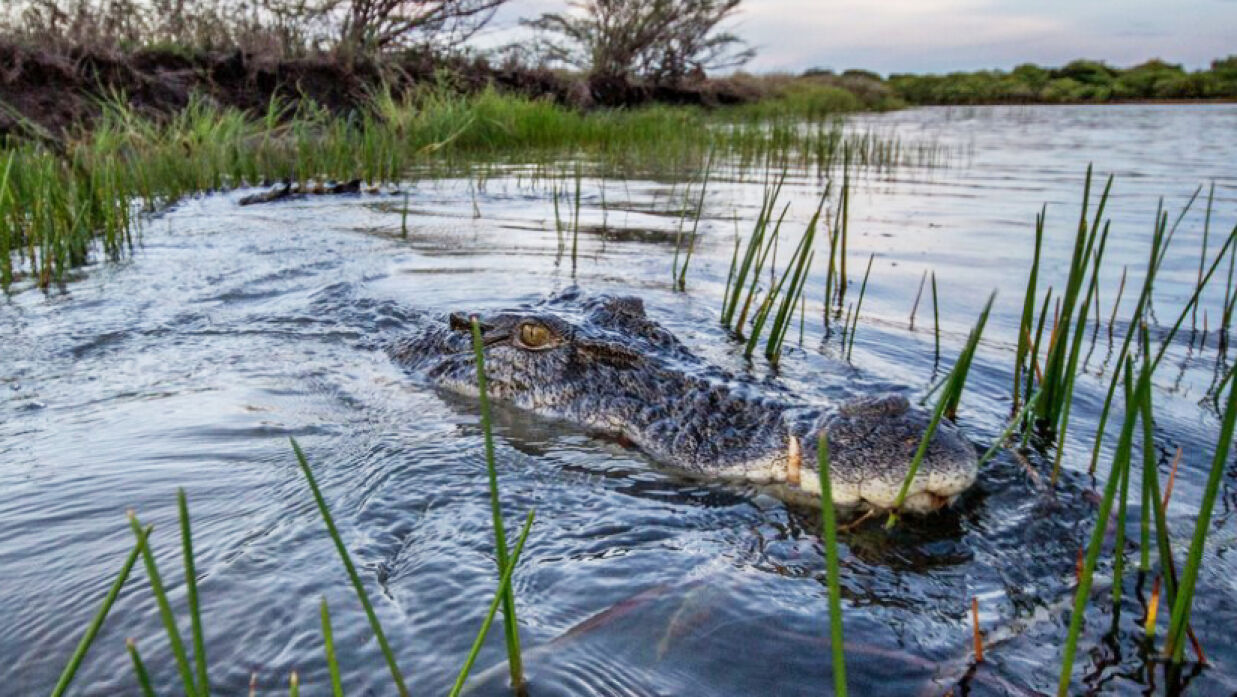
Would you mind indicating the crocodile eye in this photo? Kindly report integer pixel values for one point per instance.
(534, 336)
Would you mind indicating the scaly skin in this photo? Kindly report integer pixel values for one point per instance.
(601, 363)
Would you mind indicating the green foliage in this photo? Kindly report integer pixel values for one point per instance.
(1077, 81)
(58, 198)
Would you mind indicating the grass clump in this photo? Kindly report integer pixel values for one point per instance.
(57, 197)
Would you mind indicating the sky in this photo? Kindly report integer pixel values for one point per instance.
(934, 36)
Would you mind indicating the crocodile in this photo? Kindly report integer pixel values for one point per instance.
(600, 362)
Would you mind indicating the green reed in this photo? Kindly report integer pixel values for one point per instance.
(193, 689)
(1120, 462)
(831, 267)
(796, 272)
(1071, 368)
(575, 227)
(510, 627)
(752, 294)
(504, 589)
(558, 223)
(1192, 303)
(680, 274)
(328, 642)
(191, 593)
(844, 226)
(936, 323)
(863, 289)
(92, 185)
(165, 611)
(92, 630)
(403, 218)
(918, 296)
(1151, 488)
(829, 526)
(801, 262)
(346, 559)
(139, 669)
(1028, 310)
(1175, 639)
(1013, 424)
(1063, 350)
(752, 260)
(946, 403)
(1202, 252)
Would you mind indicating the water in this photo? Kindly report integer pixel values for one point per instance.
(231, 329)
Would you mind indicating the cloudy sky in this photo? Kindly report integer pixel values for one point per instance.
(943, 35)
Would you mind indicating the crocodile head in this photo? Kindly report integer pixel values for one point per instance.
(600, 362)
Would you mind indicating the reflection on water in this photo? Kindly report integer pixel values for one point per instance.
(232, 329)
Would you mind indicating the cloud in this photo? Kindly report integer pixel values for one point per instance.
(943, 35)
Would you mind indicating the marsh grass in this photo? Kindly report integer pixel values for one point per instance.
(780, 297)
(679, 274)
(92, 630)
(200, 687)
(1120, 462)
(1175, 640)
(57, 200)
(829, 531)
(863, 289)
(510, 627)
(946, 404)
(396, 675)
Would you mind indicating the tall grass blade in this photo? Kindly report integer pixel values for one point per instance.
(139, 669)
(863, 289)
(359, 587)
(830, 524)
(949, 398)
(1009, 429)
(504, 586)
(92, 630)
(936, 322)
(1158, 243)
(328, 640)
(1175, 640)
(191, 592)
(691, 241)
(165, 610)
(1193, 302)
(1097, 535)
(1028, 311)
(510, 627)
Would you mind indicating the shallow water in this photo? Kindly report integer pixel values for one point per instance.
(231, 329)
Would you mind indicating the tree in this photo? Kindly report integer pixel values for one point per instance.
(383, 24)
(660, 41)
(287, 26)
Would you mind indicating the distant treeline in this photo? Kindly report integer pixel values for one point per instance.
(1078, 81)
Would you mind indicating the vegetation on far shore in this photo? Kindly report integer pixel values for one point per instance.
(1078, 81)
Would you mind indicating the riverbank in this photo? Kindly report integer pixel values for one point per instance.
(46, 94)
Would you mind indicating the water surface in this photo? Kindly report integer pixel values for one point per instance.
(231, 329)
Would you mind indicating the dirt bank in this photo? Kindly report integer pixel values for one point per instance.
(46, 94)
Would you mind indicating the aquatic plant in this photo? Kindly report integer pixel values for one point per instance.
(1120, 463)
(200, 687)
(946, 404)
(510, 628)
(58, 197)
(829, 530)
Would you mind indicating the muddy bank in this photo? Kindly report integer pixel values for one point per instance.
(45, 93)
